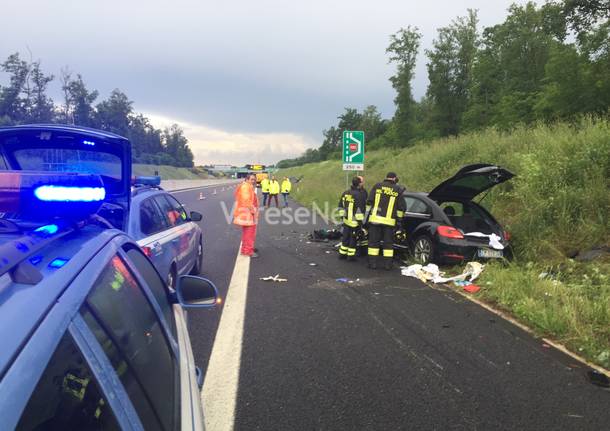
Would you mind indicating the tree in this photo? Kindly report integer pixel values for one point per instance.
(403, 49)
(584, 14)
(450, 72)
(113, 114)
(12, 105)
(40, 107)
(78, 101)
(176, 145)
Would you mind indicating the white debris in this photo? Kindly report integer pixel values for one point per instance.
(494, 240)
(274, 278)
(432, 273)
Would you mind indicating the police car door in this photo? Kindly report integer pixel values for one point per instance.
(176, 241)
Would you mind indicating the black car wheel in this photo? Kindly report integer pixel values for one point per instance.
(198, 260)
(423, 250)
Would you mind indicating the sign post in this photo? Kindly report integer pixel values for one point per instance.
(353, 150)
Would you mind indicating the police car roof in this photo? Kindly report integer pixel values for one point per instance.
(23, 306)
(65, 128)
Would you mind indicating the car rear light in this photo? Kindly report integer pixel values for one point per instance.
(506, 235)
(453, 256)
(147, 251)
(449, 232)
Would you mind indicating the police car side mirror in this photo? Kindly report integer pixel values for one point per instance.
(196, 292)
(195, 216)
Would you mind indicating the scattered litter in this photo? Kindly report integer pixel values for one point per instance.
(543, 275)
(461, 283)
(313, 264)
(431, 272)
(494, 240)
(342, 280)
(324, 235)
(472, 288)
(351, 281)
(598, 379)
(546, 346)
(574, 416)
(308, 242)
(274, 278)
(327, 252)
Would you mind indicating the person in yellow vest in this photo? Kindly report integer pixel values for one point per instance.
(286, 187)
(385, 206)
(265, 189)
(274, 191)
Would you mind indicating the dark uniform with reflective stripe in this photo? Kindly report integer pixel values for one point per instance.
(385, 205)
(351, 207)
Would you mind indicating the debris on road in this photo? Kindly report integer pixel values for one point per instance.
(274, 278)
(598, 379)
(471, 288)
(342, 280)
(324, 235)
(313, 264)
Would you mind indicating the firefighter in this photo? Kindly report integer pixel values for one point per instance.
(385, 205)
(265, 189)
(352, 206)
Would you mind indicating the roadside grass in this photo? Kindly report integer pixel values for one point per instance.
(557, 205)
(167, 172)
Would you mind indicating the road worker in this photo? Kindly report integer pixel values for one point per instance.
(265, 189)
(274, 191)
(246, 214)
(385, 205)
(285, 189)
(352, 206)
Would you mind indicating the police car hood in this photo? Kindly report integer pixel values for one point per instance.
(59, 148)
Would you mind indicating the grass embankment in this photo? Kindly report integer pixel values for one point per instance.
(556, 206)
(168, 172)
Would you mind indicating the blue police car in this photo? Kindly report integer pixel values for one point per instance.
(168, 235)
(92, 338)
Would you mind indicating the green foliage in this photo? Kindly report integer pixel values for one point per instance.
(24, 100)
(403, 49)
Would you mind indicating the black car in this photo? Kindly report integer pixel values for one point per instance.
(446, 226)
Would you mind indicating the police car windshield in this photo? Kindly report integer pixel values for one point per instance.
(107, 165)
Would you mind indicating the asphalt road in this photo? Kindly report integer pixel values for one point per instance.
(385, 352)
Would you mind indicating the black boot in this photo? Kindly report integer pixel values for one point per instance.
(387, 263)
(372, 262)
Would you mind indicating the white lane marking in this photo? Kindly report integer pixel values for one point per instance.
(219, 393)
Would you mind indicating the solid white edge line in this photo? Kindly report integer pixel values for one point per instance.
(219, 395)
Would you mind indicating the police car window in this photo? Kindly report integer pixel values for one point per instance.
(177, 206)
(172, 215)
(155, 284)
(67, 397)
(151, 219)
(415, 205)
(107, 165)
(119, 305)
(132, 385)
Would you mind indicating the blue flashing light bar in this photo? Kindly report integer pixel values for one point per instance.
(53, 193)
(90, 143)
(50, 229)
(46, 196)
(154, 180)
(58, 262)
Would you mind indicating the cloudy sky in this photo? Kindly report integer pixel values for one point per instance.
(250, 81)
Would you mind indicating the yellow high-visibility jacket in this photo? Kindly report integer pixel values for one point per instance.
(286, 186)
(274, 187)
(265, 185)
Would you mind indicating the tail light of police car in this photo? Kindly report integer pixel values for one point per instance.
(33, 195)
(147, 251)
(449, 232)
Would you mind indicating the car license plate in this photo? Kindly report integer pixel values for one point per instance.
(489, 253)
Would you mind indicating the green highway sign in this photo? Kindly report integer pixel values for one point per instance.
(353, 150)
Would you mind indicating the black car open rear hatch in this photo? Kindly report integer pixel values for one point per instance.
(470, 181)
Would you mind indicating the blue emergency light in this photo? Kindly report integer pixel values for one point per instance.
(32, 195)
(154, 180)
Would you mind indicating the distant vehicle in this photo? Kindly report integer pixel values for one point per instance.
(446, 226)
(168, 235)
(260, 177)
(92, 338)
